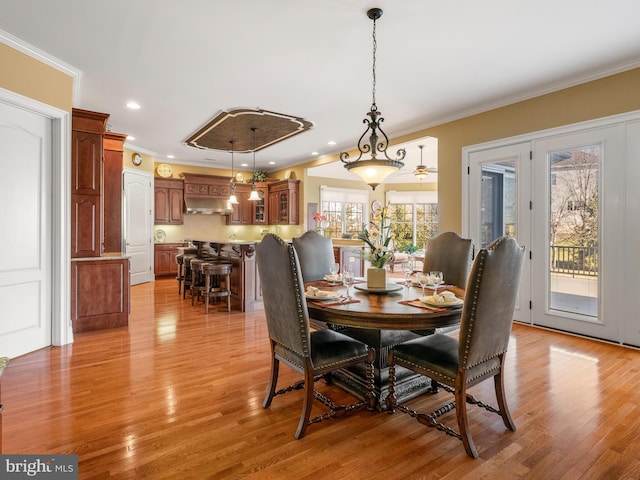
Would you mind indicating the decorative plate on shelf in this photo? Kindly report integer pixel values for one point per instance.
(376, 207)
(160, 236)
(164, 170)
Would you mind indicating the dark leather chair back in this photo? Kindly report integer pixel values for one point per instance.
(450, 254)
(315, 253)
(283, 294)
(489, 302)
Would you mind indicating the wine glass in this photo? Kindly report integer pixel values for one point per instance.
(407, 269)
(423, 279)
(347, 279)
(334, 268)
(436, 279)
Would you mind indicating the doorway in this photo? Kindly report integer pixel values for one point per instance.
(569, 195)
(34, 269)
(138, 217)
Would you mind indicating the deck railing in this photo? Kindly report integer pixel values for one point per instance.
(574, 260)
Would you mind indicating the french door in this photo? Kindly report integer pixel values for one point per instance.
(570, 196)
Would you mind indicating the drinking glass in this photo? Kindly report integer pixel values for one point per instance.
(407, 269)
(423, 279)
(436, 279)
(334, 268)
(347, 279)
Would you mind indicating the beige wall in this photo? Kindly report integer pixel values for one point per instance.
(30, 78)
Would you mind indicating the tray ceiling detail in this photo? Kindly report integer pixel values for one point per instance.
(237, 125)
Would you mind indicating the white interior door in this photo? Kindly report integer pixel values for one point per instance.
(26, 235)
(579, 241)
(499, 204)
(138, 226)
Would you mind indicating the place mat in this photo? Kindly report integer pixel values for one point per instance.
(333, 304)
(419, 304)
(324, 283)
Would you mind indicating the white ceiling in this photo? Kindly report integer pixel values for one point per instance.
(186, 61)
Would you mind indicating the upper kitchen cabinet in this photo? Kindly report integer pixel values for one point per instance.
(283, 202)
(86, 151)
(169, 201)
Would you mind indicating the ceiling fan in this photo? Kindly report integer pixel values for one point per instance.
(421, 171)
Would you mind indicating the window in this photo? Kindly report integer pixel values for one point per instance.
(344, 209)
(414, 217)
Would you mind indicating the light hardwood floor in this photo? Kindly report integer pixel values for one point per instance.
(178, 395)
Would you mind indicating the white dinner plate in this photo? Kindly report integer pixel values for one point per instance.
(324, 295)
(449, 302)
(333, 278)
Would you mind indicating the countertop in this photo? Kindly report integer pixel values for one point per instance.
(105, 256)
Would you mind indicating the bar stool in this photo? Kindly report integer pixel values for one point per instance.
(197, 278)
(186, 281)
(180, 276)
(213, 285)
(180, 261)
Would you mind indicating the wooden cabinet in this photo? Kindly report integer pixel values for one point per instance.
(250, 212)
(284, 197)
(99, 293)
(165, 258)
(112, 191)
(168, 201)
(86, 182)
(259, 208)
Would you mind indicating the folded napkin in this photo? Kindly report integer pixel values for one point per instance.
(333, 278)
(317, 293)
(444, 297)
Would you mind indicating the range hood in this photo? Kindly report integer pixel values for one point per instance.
(207, 206)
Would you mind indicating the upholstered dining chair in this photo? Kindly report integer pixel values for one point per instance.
(479, 354)
(315, 253)
(314, 354)
(450, 254)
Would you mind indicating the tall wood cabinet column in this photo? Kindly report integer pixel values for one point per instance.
(86, 182)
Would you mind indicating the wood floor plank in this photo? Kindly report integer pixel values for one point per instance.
(178, 394)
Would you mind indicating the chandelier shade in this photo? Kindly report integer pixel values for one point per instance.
(373, 170)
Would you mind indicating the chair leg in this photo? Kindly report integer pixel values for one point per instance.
(391, 397)
(271, 389)
(498, 381)
(461, 413)
(308, 402)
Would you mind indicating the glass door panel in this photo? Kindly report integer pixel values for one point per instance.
(499, 187)
(578, 250)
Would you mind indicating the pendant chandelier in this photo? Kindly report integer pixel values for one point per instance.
(373, 170)
(232, 198)
(254, 194)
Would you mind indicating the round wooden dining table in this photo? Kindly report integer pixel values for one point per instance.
(392, 310)
(382, 320)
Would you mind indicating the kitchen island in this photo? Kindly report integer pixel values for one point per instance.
(246, 294)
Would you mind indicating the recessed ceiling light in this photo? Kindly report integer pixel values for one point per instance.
(244, 164)
(133, 105)
(130, 137)
(272, 163)
(331, 142)
(315, 153)
(171, 156)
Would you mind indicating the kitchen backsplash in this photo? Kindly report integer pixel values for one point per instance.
(214, 227)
